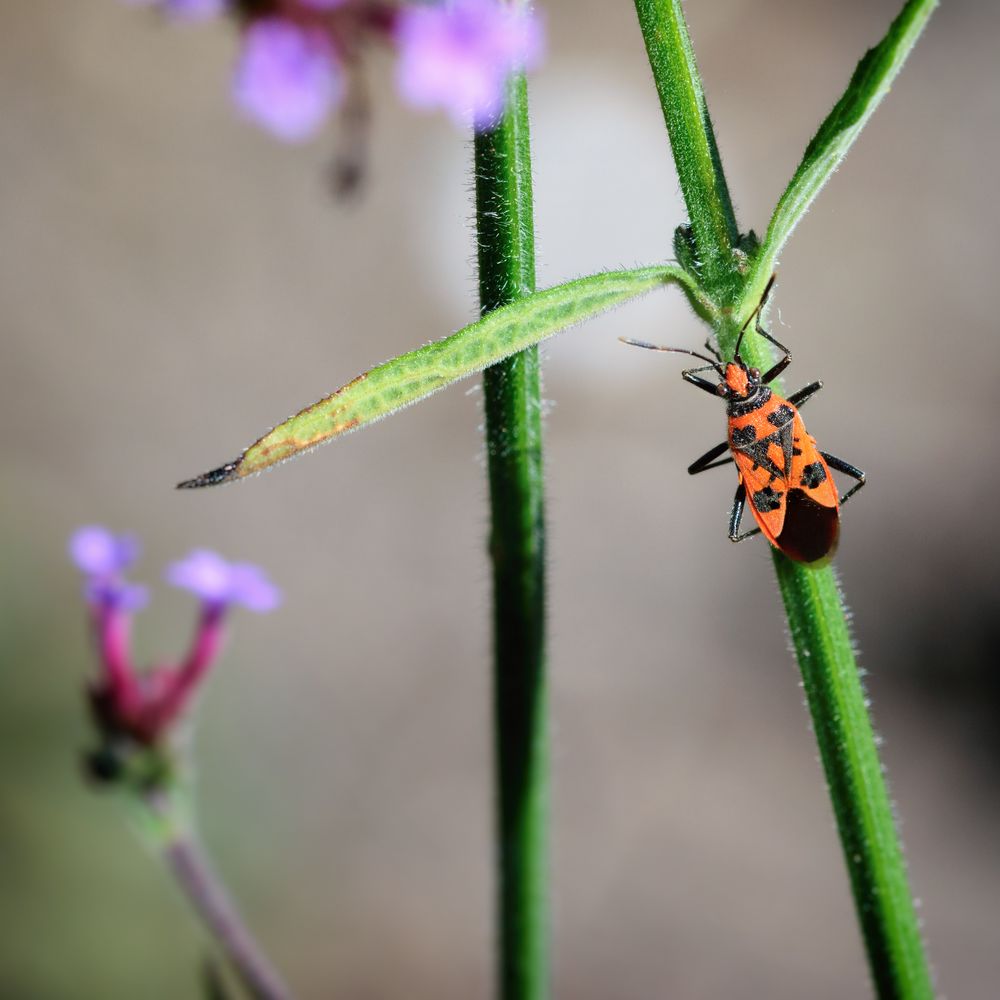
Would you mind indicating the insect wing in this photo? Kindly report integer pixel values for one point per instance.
(765, 495)
(809, 471)
(812, 519)
(761, 442)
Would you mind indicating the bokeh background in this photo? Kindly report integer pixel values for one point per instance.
(172, 283)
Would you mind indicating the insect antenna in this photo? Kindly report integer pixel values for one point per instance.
(673, 350)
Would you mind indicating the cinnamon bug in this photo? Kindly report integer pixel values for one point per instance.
(781, 470)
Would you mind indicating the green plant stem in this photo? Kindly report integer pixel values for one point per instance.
(194, 875)
(512, 392)
(692, 141)
(812, 601)
(857, 787)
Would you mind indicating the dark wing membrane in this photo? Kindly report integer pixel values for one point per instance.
(810, 529)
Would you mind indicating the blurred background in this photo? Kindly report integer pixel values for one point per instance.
(173, 282)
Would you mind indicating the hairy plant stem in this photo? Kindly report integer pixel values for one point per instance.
(505, 232)
(857, 787)
(816, 616)
(692, 141)
(191, 869)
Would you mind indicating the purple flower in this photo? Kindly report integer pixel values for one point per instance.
(145, 706)
(220, 583)
(102, 557)
(458, 56)
(288, 78)
(98, 552)
(185, 10)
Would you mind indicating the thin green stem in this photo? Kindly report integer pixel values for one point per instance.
(812, 601)
(512, 392)
(692, 140)
(857, 787)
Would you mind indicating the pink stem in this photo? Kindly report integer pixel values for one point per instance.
(204, 649)
(209, 899)
(113, 627)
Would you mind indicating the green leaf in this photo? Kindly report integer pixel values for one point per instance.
(412, 376)
(869, 84)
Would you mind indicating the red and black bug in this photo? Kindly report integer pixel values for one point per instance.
(792, 495)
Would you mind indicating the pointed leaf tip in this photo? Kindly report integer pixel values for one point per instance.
(216, 477)
(412, 376)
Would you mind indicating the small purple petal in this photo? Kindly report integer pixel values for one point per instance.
(458, 56)
(287, 78)
(204, 573)
(185, 10)
(252, 589)
(217, 582)
(323, 4)
(112, 593)
(99, 553)
(194, 10)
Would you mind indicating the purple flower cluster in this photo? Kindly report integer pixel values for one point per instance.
(145, 705)
(298, 57)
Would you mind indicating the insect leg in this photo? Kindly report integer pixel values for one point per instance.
(849, 470)
(755, 315)
(772, 373)
(702, 383)
(736, 515)
(707, 461)
(805, 394)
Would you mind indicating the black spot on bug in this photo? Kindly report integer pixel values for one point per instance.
(767, 499)
(796, 451)
(781, 415)
(812, 475)
(744, 436)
